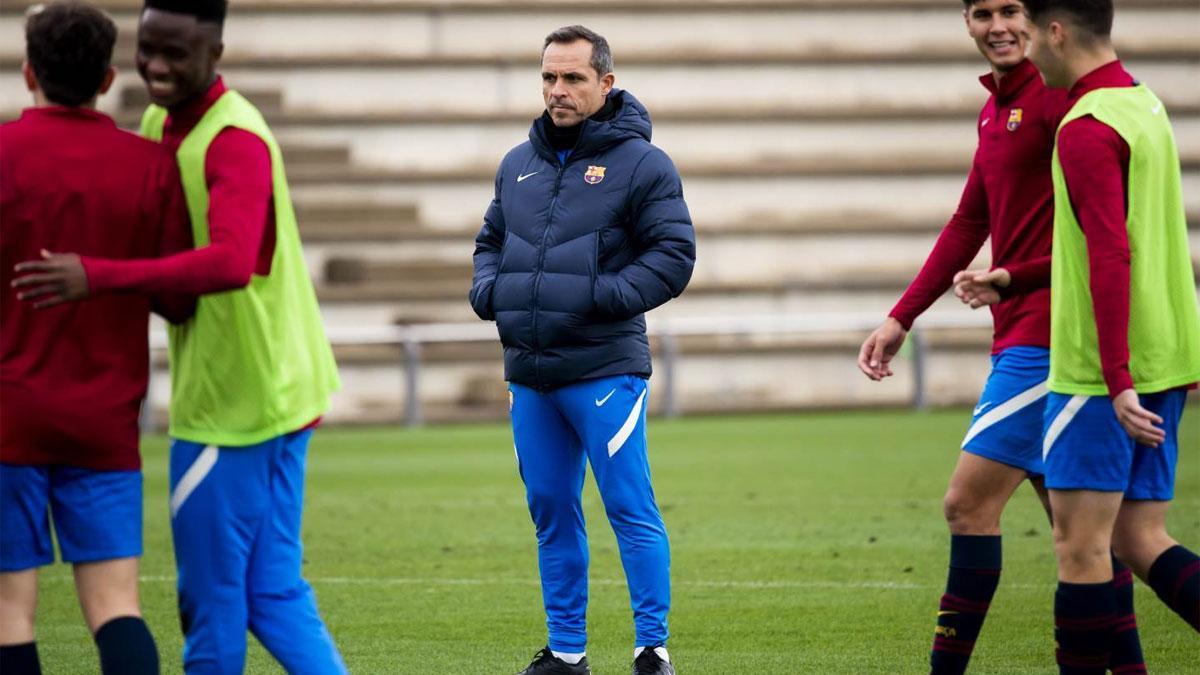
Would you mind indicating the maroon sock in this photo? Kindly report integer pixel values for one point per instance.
(970, 584)
(1175, 577)
(1127, 658)
(1084, 615)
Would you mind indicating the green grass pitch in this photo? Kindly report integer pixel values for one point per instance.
(808, 543)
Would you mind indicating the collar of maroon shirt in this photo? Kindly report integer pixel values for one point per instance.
(66, 112)
(1111, 74)
(185, 117)
(1011, 83)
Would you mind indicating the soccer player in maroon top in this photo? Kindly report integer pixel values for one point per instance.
(73, 378)
(1009, 196)
(1073, 48)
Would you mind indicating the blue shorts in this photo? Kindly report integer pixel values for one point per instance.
(1007, 425)
(1086, 448)
(97, 515)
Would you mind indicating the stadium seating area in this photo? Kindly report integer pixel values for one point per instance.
(823, 143)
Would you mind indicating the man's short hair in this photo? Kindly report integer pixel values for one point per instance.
(968, 4)
(1093, 16)
(602, 60)
(211, 11)
(69, 45)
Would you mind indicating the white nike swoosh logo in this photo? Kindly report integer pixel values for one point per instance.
(521, 178)
(985, 122)
(1155, 109)
(981, 407)
(602, 401)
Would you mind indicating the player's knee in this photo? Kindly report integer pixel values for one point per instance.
(1080, 551)
(548, 499)
(1138, 547)
(968, 514)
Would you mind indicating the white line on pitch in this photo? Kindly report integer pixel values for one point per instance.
(763, 585)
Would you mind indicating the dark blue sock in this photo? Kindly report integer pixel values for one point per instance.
(970, 584)
(1175, 577)
(126, 647)
(1127, 658)
(20, 659)
(1084, 615)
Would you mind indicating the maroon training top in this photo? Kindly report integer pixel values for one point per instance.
(1010, 196)
(72, 377)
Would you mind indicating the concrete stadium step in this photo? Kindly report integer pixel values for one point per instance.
(134, 98)
(729, 89)
(960, 112)
(356, 310)
(931, 162)
(335, 34)
(769, 202)
(786, 259)
(322, 223)
(772, 147)
(861, 279)
(663, 88)
(308, 6)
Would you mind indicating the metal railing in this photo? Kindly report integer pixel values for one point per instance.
(667, 331)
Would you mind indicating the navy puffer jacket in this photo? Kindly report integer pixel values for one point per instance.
(571, 255)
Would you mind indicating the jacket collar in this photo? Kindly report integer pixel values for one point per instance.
(631, 120)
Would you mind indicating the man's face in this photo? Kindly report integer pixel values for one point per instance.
(572, 89)
(1045, 50)
(176, 55)
(999, 30)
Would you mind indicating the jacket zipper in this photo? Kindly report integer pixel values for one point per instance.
(537, 282)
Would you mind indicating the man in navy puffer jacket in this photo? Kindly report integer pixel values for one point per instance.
(588, 230)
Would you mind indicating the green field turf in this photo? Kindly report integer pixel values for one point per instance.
(809, 543)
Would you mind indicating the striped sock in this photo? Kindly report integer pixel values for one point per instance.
(1127, 658)
(970, 584)
(1084, 615)
(1175, 577)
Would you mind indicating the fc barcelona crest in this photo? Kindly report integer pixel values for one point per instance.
(594, 175)
(1014, 118)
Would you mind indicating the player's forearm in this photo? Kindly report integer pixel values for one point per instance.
(204, 270)
(956, 247)
(1027, 276)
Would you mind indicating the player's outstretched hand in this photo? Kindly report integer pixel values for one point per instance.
(1138, 422)
(875, 357)
(979, 288)
(53, 280)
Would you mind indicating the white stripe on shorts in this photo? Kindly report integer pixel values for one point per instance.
(618, 441)
(1005, 410)
(1060, 423)
(191, 478)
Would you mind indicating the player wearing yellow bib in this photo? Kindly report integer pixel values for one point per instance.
(1125, 333)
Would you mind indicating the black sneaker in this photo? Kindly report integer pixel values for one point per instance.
(545, 663)
(650, 663)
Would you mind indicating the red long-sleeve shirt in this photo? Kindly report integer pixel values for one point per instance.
(1095, 163)
(1009, 195)
(241, 217)
(72, 377)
